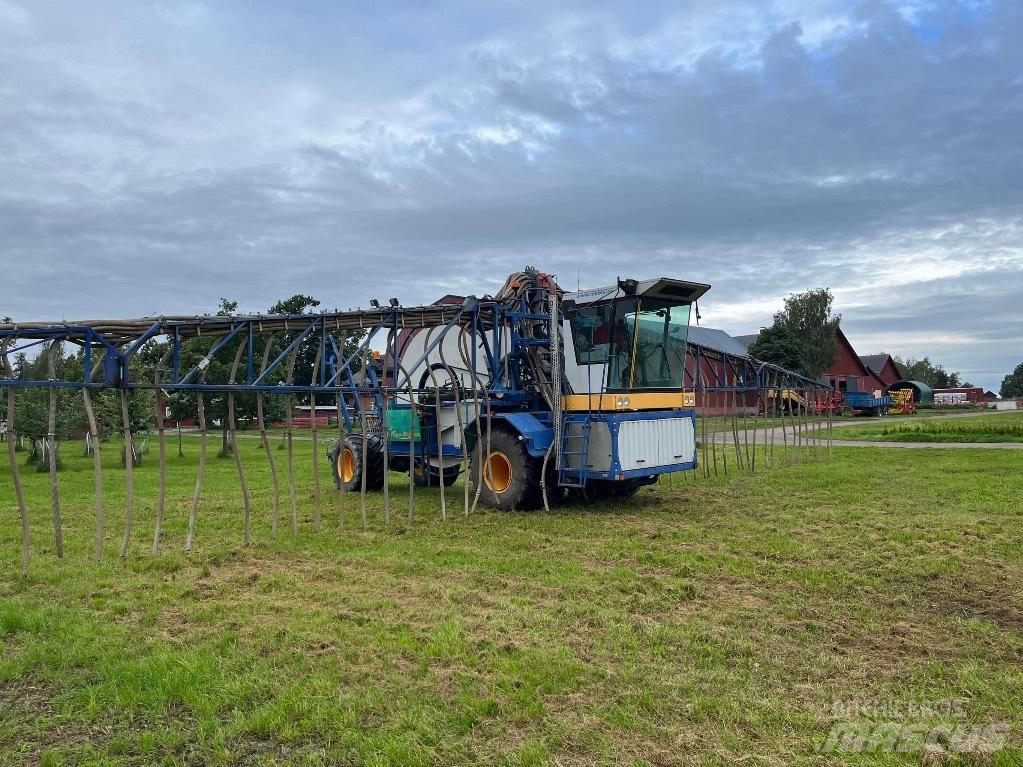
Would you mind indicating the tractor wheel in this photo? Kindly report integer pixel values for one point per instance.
(512, 476)
(426, 475)
(603, 490)
(346, 459)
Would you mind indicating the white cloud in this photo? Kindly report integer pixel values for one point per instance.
(766, 146)
(13, 17)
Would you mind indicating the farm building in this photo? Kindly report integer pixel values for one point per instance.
(850, 372)
(960, 395)
(707, 363)
(882, 366)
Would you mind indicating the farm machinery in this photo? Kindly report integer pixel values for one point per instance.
(902, 401)
(819, 401)
(536, 392)
(543, 392)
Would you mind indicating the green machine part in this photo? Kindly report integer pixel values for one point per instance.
(400, 421)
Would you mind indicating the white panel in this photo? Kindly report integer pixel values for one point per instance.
(661, 442)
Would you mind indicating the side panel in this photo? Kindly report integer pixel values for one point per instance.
(656, 443)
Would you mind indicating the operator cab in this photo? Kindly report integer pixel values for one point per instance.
(629, 338)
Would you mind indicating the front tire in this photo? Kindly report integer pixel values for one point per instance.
(512, 476)
(346, 460)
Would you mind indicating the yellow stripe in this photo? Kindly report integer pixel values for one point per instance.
(654, 400)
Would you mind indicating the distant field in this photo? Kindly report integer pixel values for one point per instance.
(1004, 427)
(704, 622)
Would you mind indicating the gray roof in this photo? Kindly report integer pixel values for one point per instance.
(873, 362)
(746, 341)
(713, 338)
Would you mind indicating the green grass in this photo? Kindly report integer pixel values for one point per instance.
(703, 622)
(1004, 427)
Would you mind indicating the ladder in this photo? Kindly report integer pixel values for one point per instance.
(575, 446)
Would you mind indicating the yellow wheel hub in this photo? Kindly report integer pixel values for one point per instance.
(346, 465)
(498, 475)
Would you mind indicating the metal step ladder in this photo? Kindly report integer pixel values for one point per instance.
(575, 446)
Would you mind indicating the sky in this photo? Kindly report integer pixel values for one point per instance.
(155, 156)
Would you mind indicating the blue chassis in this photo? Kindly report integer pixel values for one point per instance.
(538, 433)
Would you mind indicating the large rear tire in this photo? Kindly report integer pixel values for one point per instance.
(512, 476)
(346, 460)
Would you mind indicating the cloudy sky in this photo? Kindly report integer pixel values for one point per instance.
(156, 155)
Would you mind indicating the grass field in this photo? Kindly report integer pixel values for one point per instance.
(703, 622)
(1003, 427)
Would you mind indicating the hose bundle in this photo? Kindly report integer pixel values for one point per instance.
(531, 290)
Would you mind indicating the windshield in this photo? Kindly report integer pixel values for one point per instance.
(641, 342)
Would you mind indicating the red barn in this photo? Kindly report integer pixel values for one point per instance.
(849, 373)
(883, 367)
(716, 371)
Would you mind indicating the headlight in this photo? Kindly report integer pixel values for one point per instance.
(622, 402)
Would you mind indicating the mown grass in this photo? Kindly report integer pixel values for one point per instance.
(702, 622)
(1003, 427)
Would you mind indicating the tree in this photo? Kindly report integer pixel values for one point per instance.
(802, 336)
(925, 371)
(32, 406)
(1012, 384)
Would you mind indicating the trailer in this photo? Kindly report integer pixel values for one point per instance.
(866, 403)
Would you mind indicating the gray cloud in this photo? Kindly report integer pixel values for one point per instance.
(154, 160)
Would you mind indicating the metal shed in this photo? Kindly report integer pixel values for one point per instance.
(922, 393)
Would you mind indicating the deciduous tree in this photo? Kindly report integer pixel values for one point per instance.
(1012, 384)
(802, 336)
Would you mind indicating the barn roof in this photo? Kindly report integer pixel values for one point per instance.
(713, 338)
(747, 341)
(874, 362)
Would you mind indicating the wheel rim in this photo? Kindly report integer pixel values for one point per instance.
(346, 465)
(498, 475)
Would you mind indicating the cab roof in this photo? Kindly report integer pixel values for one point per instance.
(664, 288)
